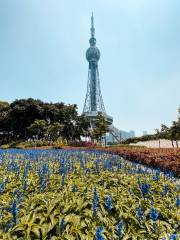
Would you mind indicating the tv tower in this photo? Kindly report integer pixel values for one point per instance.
(94, 101)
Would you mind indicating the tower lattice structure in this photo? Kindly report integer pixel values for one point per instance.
(94, 101)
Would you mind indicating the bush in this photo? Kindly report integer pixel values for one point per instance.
(81, 144)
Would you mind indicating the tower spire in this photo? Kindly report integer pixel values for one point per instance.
(92, 26)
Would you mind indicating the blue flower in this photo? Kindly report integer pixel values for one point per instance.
(99, 233)
(108, 202)
(154, 214)
(44, 175)
(144, 187)
(156, 177)
(62, 167)
(173, 237)
(119, 229)
(14, 210)
(18, 196)
(97, 166)
(69, 166)
(140, 214)
(119, 166)
(178, 201)
(24, 180)
(62, 225)
(75, 188)
(95, 201)
(165, 190)
(3, 185)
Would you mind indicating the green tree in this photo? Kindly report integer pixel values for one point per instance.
(4, 106)
(158, 136)
(174, 132)
(5, 130)
(68, 116)
(38, 128)
(164, 131)
(101, 127)
(54, 131)
(22, 114)
(17, 117)
(82, 127)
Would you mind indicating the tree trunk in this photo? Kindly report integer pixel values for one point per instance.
(172, 143)
(159, 143)
(176, 143)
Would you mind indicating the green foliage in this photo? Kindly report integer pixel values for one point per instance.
(138, 139)
(40, 213)
(26, 144)
(38, 128)
(24, 118)
(101, 127)
(54, 131)
(4, 106)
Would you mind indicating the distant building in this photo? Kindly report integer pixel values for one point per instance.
(132, 133)
(145, 133)
(122, 135)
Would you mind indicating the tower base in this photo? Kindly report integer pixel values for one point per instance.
(92, 117)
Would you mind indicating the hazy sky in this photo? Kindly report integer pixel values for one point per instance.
(42, 55)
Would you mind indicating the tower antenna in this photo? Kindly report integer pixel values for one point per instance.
(92, 26)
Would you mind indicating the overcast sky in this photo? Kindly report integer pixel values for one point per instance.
(42, 55)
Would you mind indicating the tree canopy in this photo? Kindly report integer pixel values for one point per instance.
(101, 127)
(24, 118)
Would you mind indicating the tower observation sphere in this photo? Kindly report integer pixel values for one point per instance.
(93, 54)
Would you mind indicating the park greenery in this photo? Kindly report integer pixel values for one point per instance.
(37, 121)
(101, 128)
(29, 122)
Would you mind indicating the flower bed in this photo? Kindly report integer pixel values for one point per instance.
(73, 194)
(165, 159)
